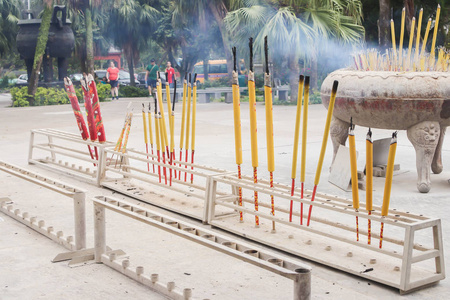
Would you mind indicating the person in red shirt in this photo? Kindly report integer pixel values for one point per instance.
(171, 73)
(112, 76)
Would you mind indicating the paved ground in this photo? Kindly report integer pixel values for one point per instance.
(26, 270)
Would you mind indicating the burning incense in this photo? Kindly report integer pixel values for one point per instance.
(411, 38)
(425, 38)
(158, 138)
(296, 139)
(369, 181)
(393, 42)
(436, 25)
(419, 26)
(237, 125)
(388, 182)
(253, 128)
(96, 108)
(304, 138)
(172, 128)
(354, 172)
(149, 113)
(90, 113)
(269, 126)
(194, 110)
(170, 115)
(183, 120)
(402, 32)
(145, 134)
(188, 123)
(77, 111)
(324, 144)
(163, 129)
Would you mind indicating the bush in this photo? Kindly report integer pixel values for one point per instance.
(315, 98)
(20, 96)
(4, 82)
(129, 91)
(221, 82)
(53, 96)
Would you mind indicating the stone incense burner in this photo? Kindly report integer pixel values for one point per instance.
(418, 102)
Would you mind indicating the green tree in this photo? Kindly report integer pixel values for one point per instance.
(40, 48)
(296, 28)
(131, 23)
(9, 13)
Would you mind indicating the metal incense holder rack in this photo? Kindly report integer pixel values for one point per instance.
(331, 237)
(60, 148)
(133, 179)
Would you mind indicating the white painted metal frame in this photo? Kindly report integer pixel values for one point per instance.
(78, 196)
(135, 181)
(328, 242)
(62, 146)
(265, 259)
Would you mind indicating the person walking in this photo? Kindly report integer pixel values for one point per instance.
(171, 74)
(112, 76)
(151, 76)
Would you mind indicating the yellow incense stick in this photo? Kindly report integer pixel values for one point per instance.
(394, 49)
(297, 126)
(324, 144)
(419, 26)
(354, 174)
(194, 110)
(304, 130)
(296, 139)
(411, 38)
(436, 27)
(389, 175)
(183, 114)
(188, 114)
(237, 119)
(353, 167)
(157, 137)
(253, 129)
(269, 123)
(326, 132)
(163, 129)
(425, 38)
(388, 182)
(402, 32)
(369, 172)
(369, 182)
(149, 114)
(145, 125)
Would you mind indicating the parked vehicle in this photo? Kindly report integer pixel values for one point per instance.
(76, 77)
(22, 79)
(124, 77)
(216, 69)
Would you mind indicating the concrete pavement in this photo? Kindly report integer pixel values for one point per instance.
(26, 270)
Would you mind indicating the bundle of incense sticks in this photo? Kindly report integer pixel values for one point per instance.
(405, 61)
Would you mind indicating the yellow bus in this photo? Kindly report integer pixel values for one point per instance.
(216, 69)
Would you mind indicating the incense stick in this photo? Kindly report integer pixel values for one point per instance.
(324, 144)
(237, 125)
(296, 139)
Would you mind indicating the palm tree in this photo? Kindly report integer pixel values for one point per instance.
(9, 13)
(296, 27)
(131, 24)
(40, 48)
(198, 11)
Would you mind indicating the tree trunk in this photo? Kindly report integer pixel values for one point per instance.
(130, 60)
(384, 22)
(314, 71)
(409, 6)
(89, 41)
(219, 12)
(294, 70)
(205, 69)
(40, 50)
